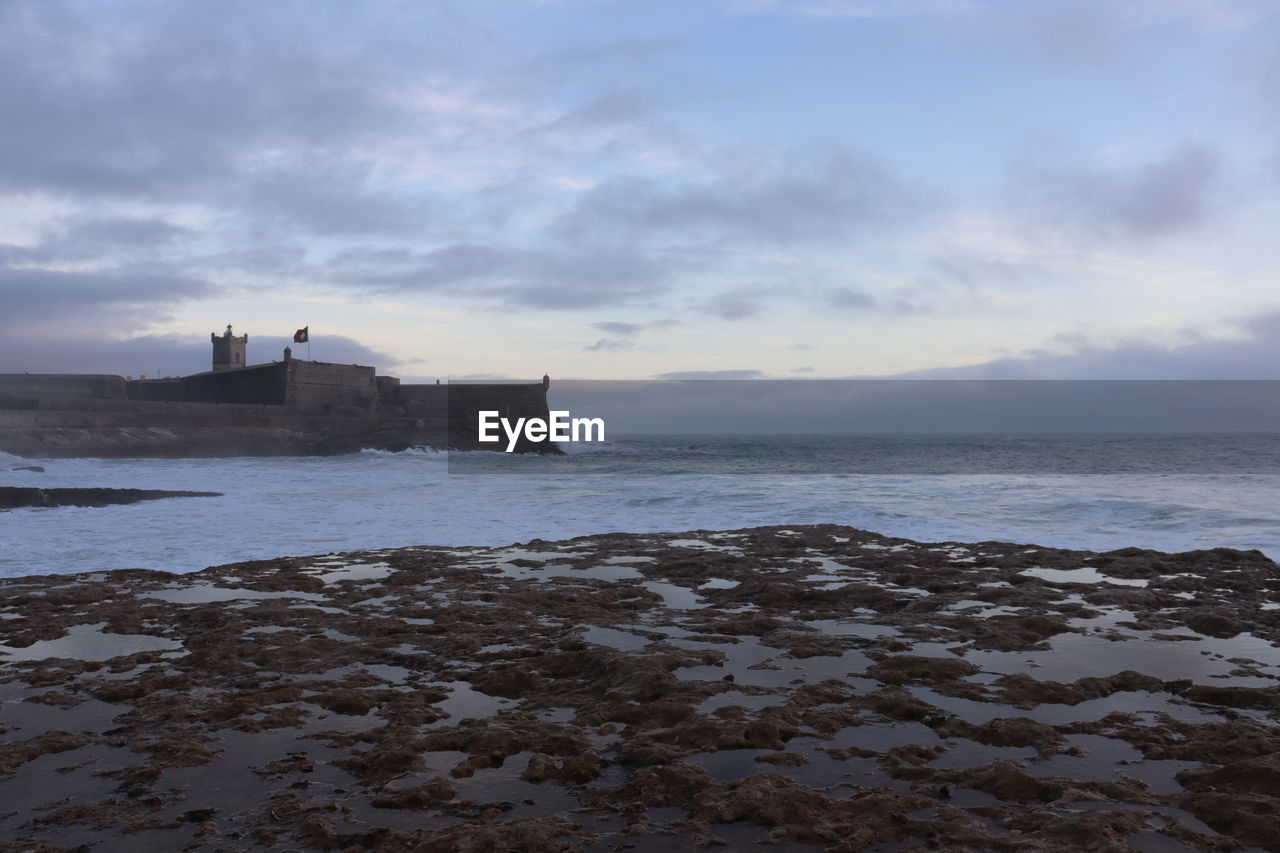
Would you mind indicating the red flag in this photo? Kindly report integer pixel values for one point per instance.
(300, 336)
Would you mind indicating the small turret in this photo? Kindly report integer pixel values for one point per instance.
(228, 350)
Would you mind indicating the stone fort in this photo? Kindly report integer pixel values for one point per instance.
(290, 406)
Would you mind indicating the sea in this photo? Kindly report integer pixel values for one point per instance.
(1089, 492)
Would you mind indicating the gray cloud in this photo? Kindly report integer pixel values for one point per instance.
(167, 355)
(615, 328)
(615, 59)
(711, 374)
(858, 302)
(267, 123)
(619, 107)
(179, 107)
(834, 194)
(610, 344)
(624, 335)
(1156, 199)
(732, 306)
(128, 298)
(108, 241)
(585, 277)
(330, 201)
(123, 232)
(974, 271)
(1254, 354)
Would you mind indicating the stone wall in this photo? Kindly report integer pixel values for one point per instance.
(91, 385)
(456, 408)
(262, 385)
(323, 388)
(202, 429)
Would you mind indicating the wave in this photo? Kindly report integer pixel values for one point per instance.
(431, 452)
(576, 448)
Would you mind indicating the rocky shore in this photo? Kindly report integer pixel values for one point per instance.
(808, 688)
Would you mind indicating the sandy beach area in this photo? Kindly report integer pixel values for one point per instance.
(816, 687)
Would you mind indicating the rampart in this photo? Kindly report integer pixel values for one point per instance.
(25, 390)
(289, 407)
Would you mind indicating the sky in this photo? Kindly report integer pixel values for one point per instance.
(636, 190)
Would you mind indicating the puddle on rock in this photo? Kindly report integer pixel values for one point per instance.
(201, 594)
(89, 643)
(358, 572)
(623, 641)
(1085, 575)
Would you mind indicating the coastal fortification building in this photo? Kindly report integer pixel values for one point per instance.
(290, 406)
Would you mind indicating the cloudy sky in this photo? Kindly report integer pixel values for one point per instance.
(598, 189)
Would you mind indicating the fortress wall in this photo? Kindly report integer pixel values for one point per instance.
(423, 401)
(180, 415)
(261, 385)
(153, 408)
(91, 385)
(155, 389)
(388, 388)
(198, 430)
(331, 388)
(510, 401)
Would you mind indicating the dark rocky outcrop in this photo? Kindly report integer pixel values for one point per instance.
(12, 497)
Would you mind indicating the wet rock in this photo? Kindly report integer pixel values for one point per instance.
(1259, 775)
(535, 835)
(1010, 633)
(765, 798)
(320, 832)
(897, 703)
(665, 785)
(1101, 831)
(1008, 781)
(350, 702)
(1264, 698)
(1213, 621)
(903, 668)
(540, 768)
(1025, 691)
(12, 497)
(580, 769)
(1251, 818)
(445, 705)
(1005, 731)
(437, 790)
(14, 755)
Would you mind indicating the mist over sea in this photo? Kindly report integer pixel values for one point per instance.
(1089, 492)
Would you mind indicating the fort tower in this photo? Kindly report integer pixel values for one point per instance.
(228, 350)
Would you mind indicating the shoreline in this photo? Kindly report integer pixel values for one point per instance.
(816, 686)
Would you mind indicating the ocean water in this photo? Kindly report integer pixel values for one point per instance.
(1087, 492)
